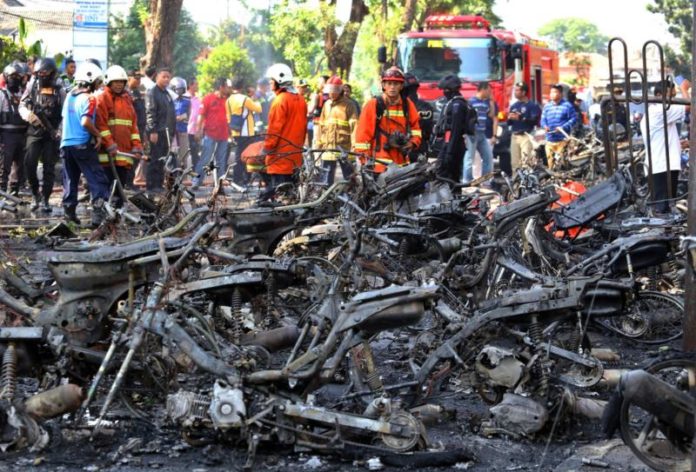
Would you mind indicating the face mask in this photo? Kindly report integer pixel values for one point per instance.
(45, 81)
(14, 84)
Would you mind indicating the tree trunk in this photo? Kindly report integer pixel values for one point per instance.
(409, 15)
(339, 49)
(160, 28)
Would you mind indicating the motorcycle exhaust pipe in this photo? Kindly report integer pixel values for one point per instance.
(17, 305)
(55, 402)
(274, 339)
(671, 406)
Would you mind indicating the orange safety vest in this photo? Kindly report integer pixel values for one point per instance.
(393, 119)
(118, 126)
(287, 127)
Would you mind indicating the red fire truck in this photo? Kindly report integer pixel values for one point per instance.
(468, 47)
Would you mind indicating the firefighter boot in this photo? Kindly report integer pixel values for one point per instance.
(98, 212)
(71, 215)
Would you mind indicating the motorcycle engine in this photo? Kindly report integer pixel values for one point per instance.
(499, 367)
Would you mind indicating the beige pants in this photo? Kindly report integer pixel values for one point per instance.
(552, 149)
(521, 150)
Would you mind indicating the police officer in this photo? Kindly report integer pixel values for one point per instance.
(451, 129)
(41, 106)
(79, 144)
(426, 113)
(12, 129)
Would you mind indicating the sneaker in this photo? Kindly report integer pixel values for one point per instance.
(46, 207)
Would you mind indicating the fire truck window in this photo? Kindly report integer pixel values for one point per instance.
(472, 59)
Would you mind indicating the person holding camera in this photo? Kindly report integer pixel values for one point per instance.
(389, 126)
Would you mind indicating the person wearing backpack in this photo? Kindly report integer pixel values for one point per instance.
(240, 116)
(389, 127)
(454, 123)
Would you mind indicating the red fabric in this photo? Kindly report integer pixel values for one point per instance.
(287, 127)
(214, 117)
(126, 136)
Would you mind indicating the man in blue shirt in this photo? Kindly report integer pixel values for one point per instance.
(182, 109)
(484, 139)
(78, 151)
(523, 117)
(558, 113)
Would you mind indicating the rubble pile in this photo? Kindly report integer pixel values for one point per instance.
(338, 320)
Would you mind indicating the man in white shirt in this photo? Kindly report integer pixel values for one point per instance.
(658, 147)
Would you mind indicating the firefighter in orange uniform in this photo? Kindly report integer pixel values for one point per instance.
(287, 127)
(388, 127)
(118, 126)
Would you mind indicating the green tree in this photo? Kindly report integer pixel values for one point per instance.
(575, 35)
(255, 37)
(225, 61)
(678, 15)
(127, 41)
(297, 30)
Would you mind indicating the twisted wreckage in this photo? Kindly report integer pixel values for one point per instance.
(336, 321)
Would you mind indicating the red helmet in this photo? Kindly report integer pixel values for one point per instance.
(334, 84)
(393, 74)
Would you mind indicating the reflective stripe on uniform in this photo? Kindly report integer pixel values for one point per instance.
(105, 133)
(135, 136)
(394, 113)
(416, 132)
(119, 160)
(119, 121)
(335, 121)
(362, 146)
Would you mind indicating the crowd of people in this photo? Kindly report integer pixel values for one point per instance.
(120, 125)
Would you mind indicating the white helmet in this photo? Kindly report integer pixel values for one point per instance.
(115, 73)
(88, 73)
(281, 73)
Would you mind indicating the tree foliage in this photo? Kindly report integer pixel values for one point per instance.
(127, 42)
(678, 15)
(255, 37)
(226, 60)
(575, 35)
(297, 30)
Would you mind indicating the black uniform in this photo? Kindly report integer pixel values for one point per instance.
(449, 133)
(160, 119)
(12, 138)
(426, 118)
(42, 141)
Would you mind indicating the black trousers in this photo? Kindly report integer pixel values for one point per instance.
(155, 167)
(11, 153)
(449, 164)
(239, 174)
(125, 175)
(195, 149)
(41, 149)
(661, 191)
